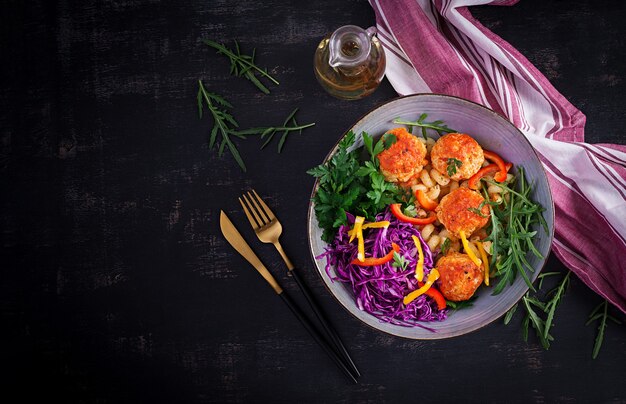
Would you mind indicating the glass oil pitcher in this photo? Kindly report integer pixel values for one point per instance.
(350, 62)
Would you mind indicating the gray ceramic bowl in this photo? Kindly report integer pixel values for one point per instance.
(493, 132)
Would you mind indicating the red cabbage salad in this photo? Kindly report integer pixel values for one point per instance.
(379, 290)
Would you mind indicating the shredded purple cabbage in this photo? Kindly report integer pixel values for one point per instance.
(379, 290)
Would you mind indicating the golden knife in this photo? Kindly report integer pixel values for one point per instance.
(235, 239)
(233, 236)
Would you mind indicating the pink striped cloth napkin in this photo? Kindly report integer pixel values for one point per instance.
(436, 46)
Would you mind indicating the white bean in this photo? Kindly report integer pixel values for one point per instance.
(421, 187)
(439, 178)
(433, 193)
(427, 231)
(464, 184)
(454, 185)
(426, 180)
(430, 142)
(433, 242)
(494, 189)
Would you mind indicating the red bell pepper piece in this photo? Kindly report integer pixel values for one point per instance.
(436, 295)
(493, 157)
(425, 201)
(397, 212)
(370, 262)
(474, 181)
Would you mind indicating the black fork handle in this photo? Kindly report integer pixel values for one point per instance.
(317, 336)
(319, 313)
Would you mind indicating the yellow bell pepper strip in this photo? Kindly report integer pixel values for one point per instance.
(432, 277)
(424, 201)
(500, 176)
(358, 233)
(370, 262)
(483, 256)
(397, 212)
(419, 268)
(358, 225)
(383, 224)
(468, 250)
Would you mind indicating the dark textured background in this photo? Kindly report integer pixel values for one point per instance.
(116, 284)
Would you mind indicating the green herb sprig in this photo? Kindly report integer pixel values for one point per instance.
(243, 65)
(347, 184)
(601, 312)
(224, 123)
(540, 314)
(421, 123)
(227, 127)
(289, 125)
(510, 231)
(453, 164)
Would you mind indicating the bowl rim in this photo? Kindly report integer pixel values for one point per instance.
(333, 150)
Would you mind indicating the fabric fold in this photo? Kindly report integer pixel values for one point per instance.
(438, 46)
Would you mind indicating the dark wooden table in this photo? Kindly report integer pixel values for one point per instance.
(116, 282)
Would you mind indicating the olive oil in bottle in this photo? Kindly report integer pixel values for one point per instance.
(350, 62)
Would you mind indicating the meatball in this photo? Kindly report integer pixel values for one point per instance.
(459, 277)
(457, 211)
(458, 151)
(404, 159)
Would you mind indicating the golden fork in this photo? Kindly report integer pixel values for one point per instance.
(265, 224)
(268, 229)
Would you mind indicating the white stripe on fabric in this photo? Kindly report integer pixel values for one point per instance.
(402, 76)
(471, 56)
(592, 184)
(494, 49)
(616, 156)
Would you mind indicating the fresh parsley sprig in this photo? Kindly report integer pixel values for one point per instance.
(421, 123)
(347, 184)
(452, 165)
(243, 65)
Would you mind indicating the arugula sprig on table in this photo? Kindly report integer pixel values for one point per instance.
(226, 126)
(601, 312)
(346, 184)
(421, 123)
(243, 65)
(540, 313)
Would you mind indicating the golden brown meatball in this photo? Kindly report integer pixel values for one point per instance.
(459, 277)
(455, 214)
(458, 150)
(404, 159)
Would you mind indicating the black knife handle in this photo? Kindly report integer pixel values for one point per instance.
(317, 336)
(319, 313)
